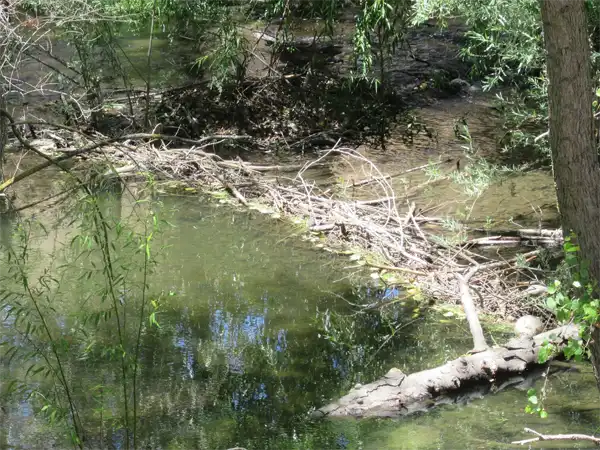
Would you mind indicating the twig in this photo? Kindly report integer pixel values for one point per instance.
(232, 190)
(399, 174)
(395, 269)
(557, 437)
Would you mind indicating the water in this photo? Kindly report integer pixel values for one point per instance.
(255, 332)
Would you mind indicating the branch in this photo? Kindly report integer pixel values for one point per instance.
(93, 147)
(49, 161)
(557, 437)
(479, 343)
(399, 174)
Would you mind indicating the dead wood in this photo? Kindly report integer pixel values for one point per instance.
(479, 343)
(513, 238)
(396, 175)
(232, 190)
(372, 229)
(557, 437)
(398, 394)
(299, 42)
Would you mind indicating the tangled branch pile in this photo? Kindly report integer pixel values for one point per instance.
(386, 239)
(374, 231)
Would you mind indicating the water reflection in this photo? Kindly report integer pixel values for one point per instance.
(253, 335)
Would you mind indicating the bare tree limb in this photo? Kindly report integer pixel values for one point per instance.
(557, 437)
(479, 343)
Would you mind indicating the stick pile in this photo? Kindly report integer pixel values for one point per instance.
(375, 229)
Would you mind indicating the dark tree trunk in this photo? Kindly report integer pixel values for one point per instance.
(3, 131)
(576, 167)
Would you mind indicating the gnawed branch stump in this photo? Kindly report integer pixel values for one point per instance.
(397, 394)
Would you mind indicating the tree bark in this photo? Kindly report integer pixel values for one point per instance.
(3, 131)
(397, 394)
(574, 154)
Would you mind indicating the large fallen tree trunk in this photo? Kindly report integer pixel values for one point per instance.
(397, 394)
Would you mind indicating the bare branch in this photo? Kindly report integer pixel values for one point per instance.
(557, 437)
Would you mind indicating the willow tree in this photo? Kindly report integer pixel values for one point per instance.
(571, 121)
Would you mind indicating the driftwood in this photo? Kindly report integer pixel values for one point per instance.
(525, 237)
(397, 394)
(557, 437)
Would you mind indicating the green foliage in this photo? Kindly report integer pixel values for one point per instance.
(227, 60)
(526, 117)
(572, 297)
(115, 261)
(380, 27)
(533, 404)
(504, 41)
(479, 174)
(505, 46)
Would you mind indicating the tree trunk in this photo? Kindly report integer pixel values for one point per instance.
(574, 155)
(3, 131)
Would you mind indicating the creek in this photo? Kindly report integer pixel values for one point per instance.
(257, 330)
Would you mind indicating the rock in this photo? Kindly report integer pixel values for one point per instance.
(476, 87)
(528, 326)
(536, 290)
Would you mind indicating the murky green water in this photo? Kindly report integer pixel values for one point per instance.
(255, 331)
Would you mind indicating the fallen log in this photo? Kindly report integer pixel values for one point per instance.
(397, 394)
